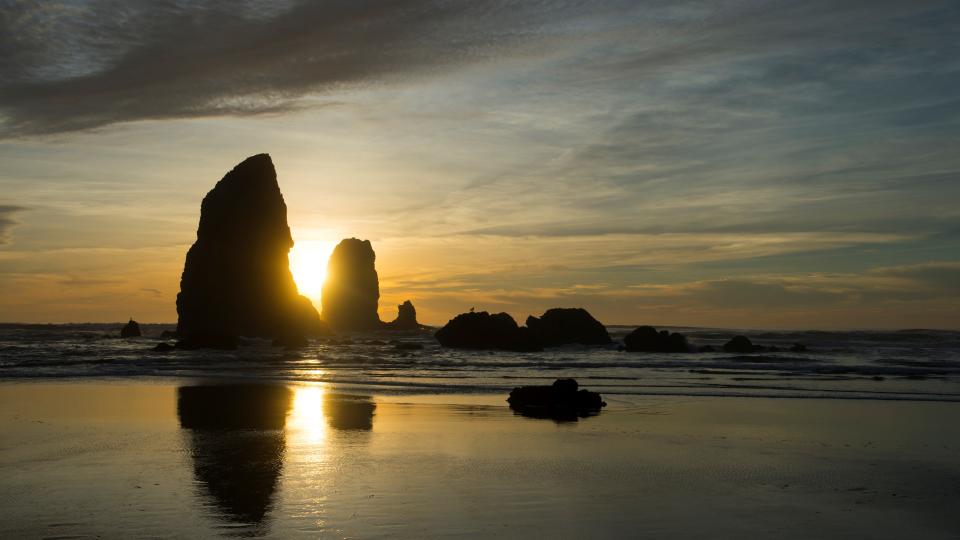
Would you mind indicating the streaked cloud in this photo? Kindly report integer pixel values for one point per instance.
(69, 66)
(755, 162)
(8, 221)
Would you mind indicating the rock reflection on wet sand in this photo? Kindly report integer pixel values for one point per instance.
(147, 460)
(237, 439)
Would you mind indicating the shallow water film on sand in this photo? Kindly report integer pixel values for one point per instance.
(199, 459)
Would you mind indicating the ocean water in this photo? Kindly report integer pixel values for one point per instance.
(921, 365)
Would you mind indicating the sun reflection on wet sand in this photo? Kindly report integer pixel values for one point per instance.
(307, 415)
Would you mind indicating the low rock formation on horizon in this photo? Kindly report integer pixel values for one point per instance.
(131, 329)
(557, 326)
(647, 339)
(406, 318)
(481, 330)
(563, 326)
(743, 345)
(236, 278)
(561, 401)
(351, 291)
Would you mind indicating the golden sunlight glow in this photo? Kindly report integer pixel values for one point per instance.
(308, 264)
(307, 417)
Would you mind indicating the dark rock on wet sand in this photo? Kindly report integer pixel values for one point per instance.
(563, 326)
(131, 329)
(648, 339)
(236, 278)
(481, 330)
(561, 401)
(164, 347)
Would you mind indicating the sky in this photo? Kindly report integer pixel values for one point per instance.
(761, 164)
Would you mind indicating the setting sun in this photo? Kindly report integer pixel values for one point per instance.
(308, 264)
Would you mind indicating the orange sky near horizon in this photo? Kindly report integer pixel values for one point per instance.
(720, 165)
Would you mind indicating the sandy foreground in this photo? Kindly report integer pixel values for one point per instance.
(135, 460)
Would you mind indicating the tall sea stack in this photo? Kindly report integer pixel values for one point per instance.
(351, 291)
(236, 279)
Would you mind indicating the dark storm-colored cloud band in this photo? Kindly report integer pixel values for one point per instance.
(72, 65)
(68, 66)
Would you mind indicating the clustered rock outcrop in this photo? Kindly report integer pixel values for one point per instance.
(557, 326)
(564, 326)
(481, 330)
(236, 279)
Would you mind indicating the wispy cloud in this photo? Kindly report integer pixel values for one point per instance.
(707, 160)
(8, 221)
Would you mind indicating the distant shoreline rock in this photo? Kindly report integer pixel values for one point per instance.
(131, 329)
(556, 327)
(648, 339)
(743, 345)
(739, 344)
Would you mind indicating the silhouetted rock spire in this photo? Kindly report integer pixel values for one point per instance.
(351, 291)
(236, 279)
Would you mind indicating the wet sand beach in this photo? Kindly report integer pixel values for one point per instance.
(102, 459)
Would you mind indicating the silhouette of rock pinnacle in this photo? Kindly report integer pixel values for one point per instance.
(236, 279)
